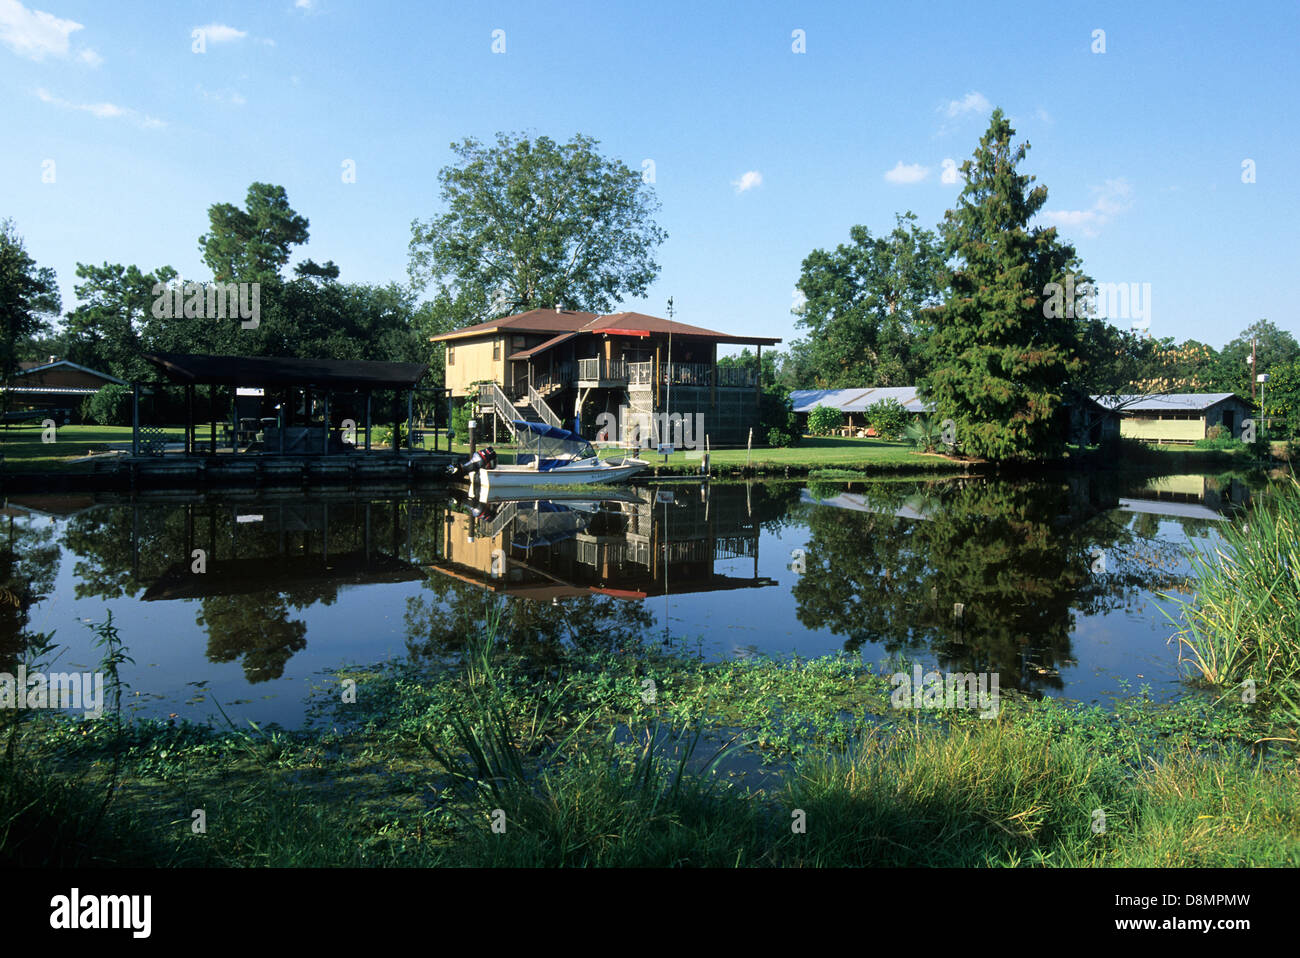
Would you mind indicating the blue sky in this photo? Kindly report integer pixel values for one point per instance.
(760, 154)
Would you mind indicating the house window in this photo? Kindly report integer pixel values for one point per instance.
(496, 349)
(451, 355)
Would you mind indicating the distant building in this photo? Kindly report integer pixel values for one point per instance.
(853, 403)
(1177, 417)
(1088, 422)
(56, 388)
(566, 368)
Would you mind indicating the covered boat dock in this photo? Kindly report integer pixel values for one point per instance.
(265, 418)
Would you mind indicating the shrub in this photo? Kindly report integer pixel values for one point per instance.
(823, 420)
(1221, 442)
(924, 433)
(777, 419)
(888, 418)
(460, 417)
(111, 406)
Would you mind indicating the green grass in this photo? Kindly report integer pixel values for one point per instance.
(497, 763)
(857, 455)
(24, 451)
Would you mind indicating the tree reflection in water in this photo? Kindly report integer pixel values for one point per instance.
(983, 574)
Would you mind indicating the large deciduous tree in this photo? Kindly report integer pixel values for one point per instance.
(866, 303)
(533, 223)
(1001, 367)
(1274, 348)
(28, 294)
(252, 245)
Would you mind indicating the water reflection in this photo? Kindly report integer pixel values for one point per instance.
(983, 574)
(971, 575)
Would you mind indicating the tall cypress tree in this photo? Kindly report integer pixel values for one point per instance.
(1000, 366)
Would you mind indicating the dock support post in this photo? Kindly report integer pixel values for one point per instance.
(135, 419)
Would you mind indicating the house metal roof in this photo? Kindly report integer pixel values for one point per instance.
(856, 400)
(31, 368)
(1173, 402)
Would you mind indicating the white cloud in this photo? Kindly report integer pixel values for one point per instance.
(232, 97)
(302, 4)
(910, 173)
(972, 102)
(220, 33)
(1043, 115)
(748, 181)
(35, 34)
(1112, 198)
(951, 171)
(104, 111)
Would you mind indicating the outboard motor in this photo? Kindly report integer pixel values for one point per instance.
(485, 458)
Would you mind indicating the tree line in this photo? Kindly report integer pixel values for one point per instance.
(961, 311)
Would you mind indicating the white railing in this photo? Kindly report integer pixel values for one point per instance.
(543, 410)
(596, 370)
(490, 394)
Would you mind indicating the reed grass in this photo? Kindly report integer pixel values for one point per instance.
(1240, 631)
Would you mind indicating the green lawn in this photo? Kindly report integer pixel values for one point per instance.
(811, 453)
(24, 451)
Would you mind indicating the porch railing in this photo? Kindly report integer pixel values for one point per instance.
(598, 369)
(689, 374)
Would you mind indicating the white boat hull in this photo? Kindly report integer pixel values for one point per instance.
(523, 477)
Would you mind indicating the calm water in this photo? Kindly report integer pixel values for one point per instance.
(1053, 584)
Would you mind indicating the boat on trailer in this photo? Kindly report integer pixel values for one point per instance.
(550, 456)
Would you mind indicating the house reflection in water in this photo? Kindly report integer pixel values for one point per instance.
(635, 544)
(1188, 497)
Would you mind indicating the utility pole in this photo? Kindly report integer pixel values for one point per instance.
(1252, 372)
(668, 399)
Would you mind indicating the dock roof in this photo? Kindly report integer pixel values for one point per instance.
(194, 369)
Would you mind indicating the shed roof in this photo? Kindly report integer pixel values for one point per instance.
(856, 400)
(1173, 402)
(193, 369)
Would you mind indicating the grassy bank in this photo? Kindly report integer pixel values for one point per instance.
(851, 456)
(650, 758)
